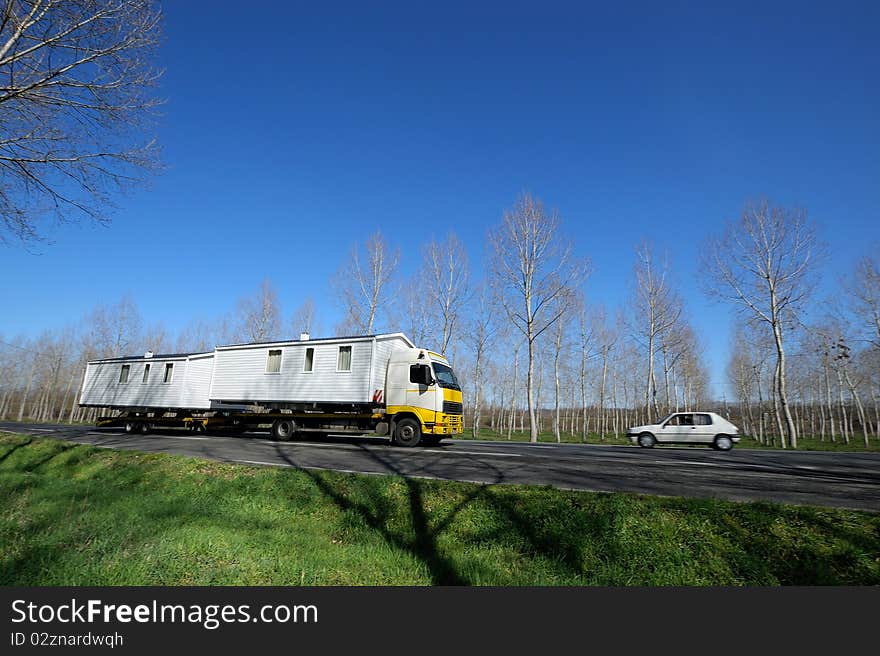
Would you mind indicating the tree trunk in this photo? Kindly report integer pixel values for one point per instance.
(27, 390)
(781, 390)
(533, 422)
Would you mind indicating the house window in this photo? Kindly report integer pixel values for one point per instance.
(169, 372)
(146, 373)
(343, 362)
(309, 363)
(123, 373)
(273, 362)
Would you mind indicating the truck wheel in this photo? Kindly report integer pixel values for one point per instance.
(408, 432)
(130, 427)
(144, 428)
(283, 429)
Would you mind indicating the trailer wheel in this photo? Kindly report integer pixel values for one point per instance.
(144, 428)
(407, 432)
(130, 426)
(283, 429)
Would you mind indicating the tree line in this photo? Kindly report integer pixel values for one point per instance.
(533, 354)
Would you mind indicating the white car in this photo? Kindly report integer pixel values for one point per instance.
(687, 428)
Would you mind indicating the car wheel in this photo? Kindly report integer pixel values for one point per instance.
(283, 429)
(723, 443)
(408, 432)
(647, 440)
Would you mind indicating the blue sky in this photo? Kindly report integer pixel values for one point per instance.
(293, 130)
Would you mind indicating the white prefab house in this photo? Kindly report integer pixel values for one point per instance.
(180, 380)
(338, 370)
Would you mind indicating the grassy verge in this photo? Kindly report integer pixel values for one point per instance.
(76, 515)
(856, 444)
(544, 436)
(817, 444)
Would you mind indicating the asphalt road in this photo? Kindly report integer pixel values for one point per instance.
(844, 480)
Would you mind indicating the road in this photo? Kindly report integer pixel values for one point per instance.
(839, 479)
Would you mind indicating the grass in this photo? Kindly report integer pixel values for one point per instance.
(77, 515)
(543, 436)
(856, 444)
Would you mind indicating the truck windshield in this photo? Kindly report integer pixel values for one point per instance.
(445, 376)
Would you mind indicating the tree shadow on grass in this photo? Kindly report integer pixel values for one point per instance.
(423, 543)
(15, 447)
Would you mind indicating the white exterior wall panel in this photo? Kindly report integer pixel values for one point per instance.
(384, 348)
(101, 386)
(197, 386)
(240, 372)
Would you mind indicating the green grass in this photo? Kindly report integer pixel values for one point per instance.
(856, 444)
(543, 436)
(77, 515)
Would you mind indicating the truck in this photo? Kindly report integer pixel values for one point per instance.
(379, 384)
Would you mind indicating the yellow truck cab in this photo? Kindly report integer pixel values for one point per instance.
(422, 397)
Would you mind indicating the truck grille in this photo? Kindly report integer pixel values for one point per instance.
(452, 408)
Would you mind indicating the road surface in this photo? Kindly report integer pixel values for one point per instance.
(838, 479)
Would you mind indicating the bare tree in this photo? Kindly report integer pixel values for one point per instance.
(586, 345)
(73, 103)
(413, 313)
(259, 316)
(657, 308)
(565, 305)
(362, 283)
(482, 330)
(303, 320)
(447, 285)
(763, 262)
(115, 329)
(200, 335)
(531, 267)
(865, 295)
(155, 338)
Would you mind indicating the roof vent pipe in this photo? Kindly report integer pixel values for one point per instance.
(303, 337)
(148, 354)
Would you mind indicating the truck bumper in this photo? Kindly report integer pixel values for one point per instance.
(446, 425)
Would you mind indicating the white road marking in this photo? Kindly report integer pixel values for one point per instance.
(308, 444)
(269, 464)
(25, 432)
(174, 437)
(471, 453)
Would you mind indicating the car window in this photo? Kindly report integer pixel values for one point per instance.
(686, 420)
(703, 420)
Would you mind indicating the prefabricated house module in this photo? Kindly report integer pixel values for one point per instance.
(371, 383)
